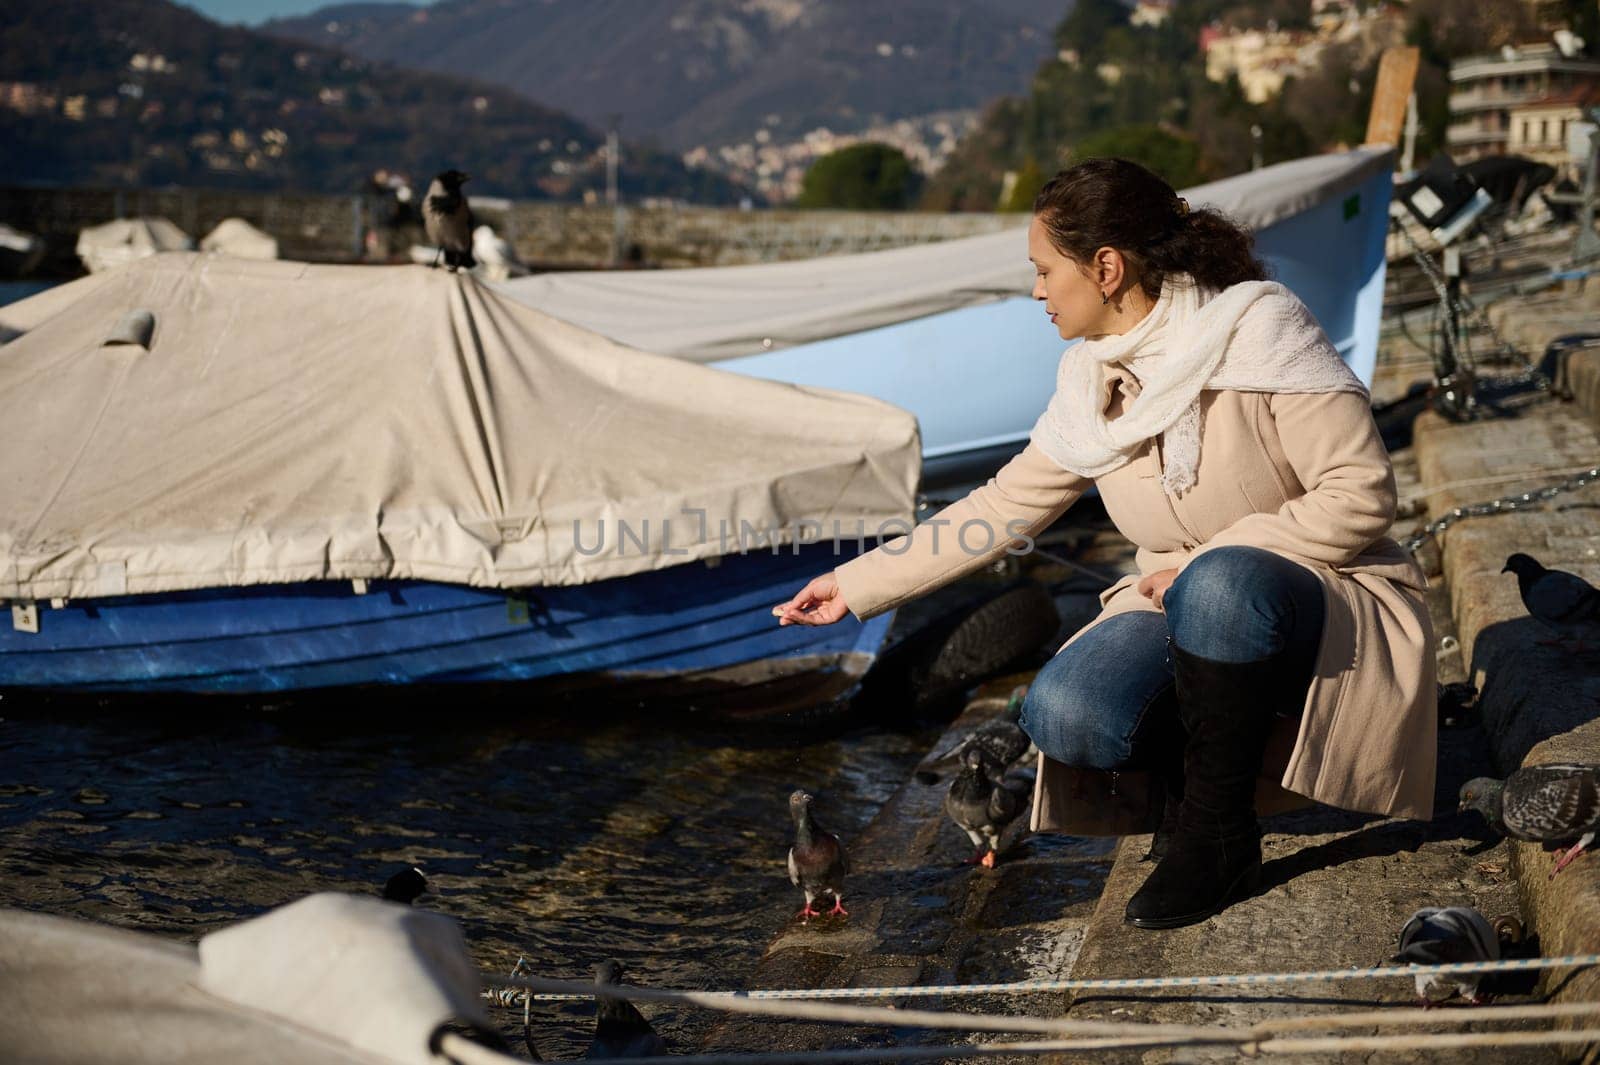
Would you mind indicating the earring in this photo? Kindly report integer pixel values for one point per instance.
(1104, 299)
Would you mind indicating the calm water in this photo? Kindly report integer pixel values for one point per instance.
(12, 291)
(564, 835)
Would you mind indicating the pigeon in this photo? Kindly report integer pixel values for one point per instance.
(495, 255)
(981, 805)
(817, 862)
(1541, 804)
(620, 1030)
(1562, 602)
(404, 886)
(1001, 739)
(1443, 936)
(448, 220)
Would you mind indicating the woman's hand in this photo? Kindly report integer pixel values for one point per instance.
(819, 603)
(1154, 587)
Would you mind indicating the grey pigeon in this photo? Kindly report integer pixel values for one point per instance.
(981, 805)
(620, 1030)
(1001, 739)
(1444, 936)
(1562, 602)
(405, 886)
(448, 220)
(817, 861)
(1551, 804)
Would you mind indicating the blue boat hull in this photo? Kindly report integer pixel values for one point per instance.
(683, 625)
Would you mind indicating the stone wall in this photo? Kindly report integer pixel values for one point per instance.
(317, 228)
(308, 227)
(577, 235)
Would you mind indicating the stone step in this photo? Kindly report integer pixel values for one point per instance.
(1336, 887)
(1538, 703)
(919, 916)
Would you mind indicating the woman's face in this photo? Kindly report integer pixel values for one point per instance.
(1072, 297)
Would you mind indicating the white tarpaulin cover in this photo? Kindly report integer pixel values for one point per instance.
(329, 980)
(235, 236)
(384, 977)
(290, 422)
(111, 245)
(722, 312)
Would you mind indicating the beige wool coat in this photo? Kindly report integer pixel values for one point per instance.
(1303, 475)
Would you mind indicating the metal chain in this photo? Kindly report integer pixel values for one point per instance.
(1530, 374)
(1499, 506)
(1469, 313)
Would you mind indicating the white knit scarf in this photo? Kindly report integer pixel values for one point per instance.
(1255, 336)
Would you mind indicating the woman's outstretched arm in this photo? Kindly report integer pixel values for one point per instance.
(1024, 498)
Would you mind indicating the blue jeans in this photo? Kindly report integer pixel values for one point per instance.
(1097, 704)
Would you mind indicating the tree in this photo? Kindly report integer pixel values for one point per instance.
(1174, 158)
(1026, 187)
(867, 176)
(1456, 28)
(1086, 25)
(1331, 101)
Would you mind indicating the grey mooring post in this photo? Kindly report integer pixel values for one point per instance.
(613, 193)
(1587, 246)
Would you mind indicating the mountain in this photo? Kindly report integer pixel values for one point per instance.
(1124, 88)
(146, 92)
(693, 72)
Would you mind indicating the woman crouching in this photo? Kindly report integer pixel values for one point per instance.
(1234, 448)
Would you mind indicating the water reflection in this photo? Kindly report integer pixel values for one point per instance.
(564, 834)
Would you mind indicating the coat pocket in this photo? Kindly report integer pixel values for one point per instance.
(1260, 495)
(1127, 579)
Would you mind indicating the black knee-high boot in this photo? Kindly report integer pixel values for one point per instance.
(1166, 774)
(1214, 856)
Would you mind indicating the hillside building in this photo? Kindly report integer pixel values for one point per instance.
(1491, 97)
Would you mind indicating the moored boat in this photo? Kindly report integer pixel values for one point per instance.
(238, 476)
(947, 330)
(125, 240)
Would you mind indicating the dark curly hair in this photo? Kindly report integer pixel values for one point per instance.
(1119, 204)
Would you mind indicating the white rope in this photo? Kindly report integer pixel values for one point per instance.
(839, 1014)
(1433, 1041)
(460, 1049)
(1266, 1037)
(479, 1056)
(1415, 1017)
(562, 991)
(1246, 1041)
(903, 1018)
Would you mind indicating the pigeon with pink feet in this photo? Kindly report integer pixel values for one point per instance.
(1447, 936)
(1551, 804)
(817, 862)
